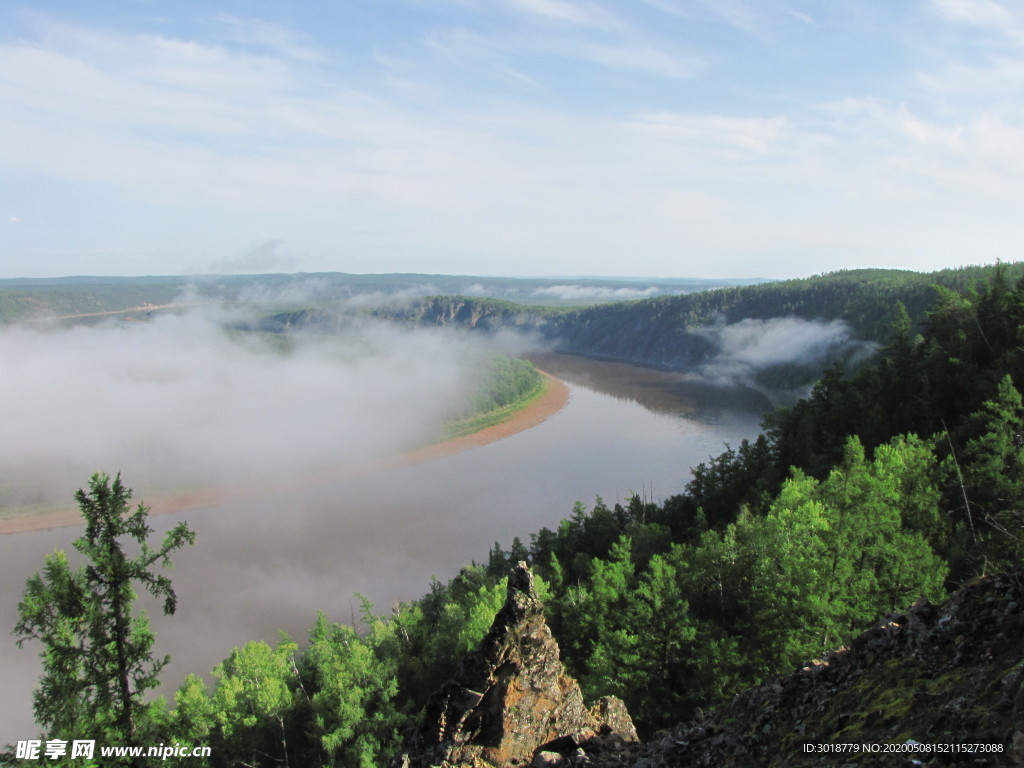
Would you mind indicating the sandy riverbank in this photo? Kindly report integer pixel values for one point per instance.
(548, 404)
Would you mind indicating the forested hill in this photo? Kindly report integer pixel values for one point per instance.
(650, 329)
(666, 331)
(776, 336)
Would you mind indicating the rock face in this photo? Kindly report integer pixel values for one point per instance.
(511, 703)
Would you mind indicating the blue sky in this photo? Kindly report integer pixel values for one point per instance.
(705, 138)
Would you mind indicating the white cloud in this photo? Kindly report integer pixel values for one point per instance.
(639, 59)
(225, 115)
(962, 152)
(167, 84)
(449, 140)
(736, 13)
(756, 135)
(274, 37)
(745, 347)
(780, 340)
(980, 12)
(665, 6)
(585, 14)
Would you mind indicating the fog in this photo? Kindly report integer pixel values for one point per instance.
(269, 561)
(586, 293)
(179, 401)
(751, 345)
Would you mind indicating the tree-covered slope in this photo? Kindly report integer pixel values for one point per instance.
(938, 684)
(665, 331)
(28, 299)
(839, 316)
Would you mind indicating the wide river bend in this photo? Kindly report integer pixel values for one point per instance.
(266, 565)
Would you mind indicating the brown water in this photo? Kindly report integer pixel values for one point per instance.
(260, 567)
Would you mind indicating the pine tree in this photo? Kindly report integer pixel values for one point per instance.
(994, 472)
(97, 653)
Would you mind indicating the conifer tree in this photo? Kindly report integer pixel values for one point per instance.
(97, 653)
(994, 472)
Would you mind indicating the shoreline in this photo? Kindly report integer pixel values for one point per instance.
(544, 407)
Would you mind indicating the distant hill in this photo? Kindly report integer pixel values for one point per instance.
(777, 335)
(29, 298)
(660, 331)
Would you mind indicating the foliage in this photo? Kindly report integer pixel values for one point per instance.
(664, 629)
(994, 472)
(252, 703)
(502, 386)
(97, 654)
(352, 688)
(504, 380)
(332, 704)
(888, 483)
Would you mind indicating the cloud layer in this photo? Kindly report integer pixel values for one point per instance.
(542, 137)
(180, 402)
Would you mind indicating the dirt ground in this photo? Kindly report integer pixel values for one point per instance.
(543, 408)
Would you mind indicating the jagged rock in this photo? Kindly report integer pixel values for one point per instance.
(611, 713)
(511, 699)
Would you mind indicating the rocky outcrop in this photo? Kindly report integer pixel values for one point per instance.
(511, 703)
(940, 685)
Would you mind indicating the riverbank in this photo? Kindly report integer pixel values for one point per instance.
(543, 407)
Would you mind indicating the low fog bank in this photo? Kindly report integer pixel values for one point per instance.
(583, 293)
(179, 401)
(268, 564)
(779, 353)
(374, 290)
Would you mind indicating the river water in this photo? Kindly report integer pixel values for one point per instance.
(260, 567)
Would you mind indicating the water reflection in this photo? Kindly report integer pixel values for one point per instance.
(665, 392)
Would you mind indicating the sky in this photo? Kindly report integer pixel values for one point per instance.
(671, 138)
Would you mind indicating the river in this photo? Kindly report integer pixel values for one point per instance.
(260, 567)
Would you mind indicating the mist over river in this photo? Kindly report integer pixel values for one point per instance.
(260, 567)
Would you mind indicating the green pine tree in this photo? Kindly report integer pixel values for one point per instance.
(97, 652)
